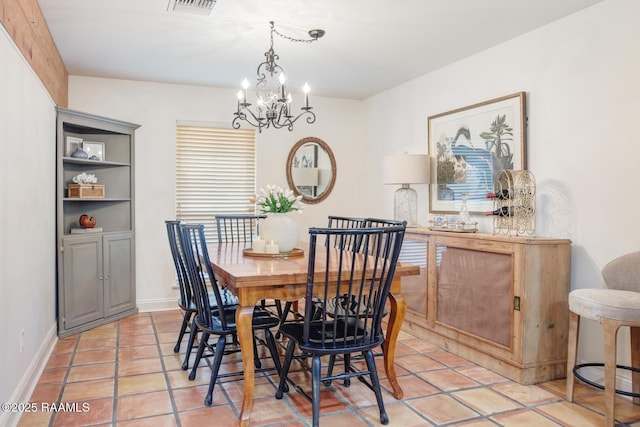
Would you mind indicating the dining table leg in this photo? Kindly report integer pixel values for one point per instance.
(396, 317)
(244, 324)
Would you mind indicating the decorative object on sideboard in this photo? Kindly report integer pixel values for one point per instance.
(87, 221)
(470, 147)
(406, 169)
(273, 100)
(452, 225)
(463, 214)
(514, 203)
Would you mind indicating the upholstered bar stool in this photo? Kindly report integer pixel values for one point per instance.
(617, 305)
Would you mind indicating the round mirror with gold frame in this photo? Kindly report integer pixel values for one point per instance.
(311, 169)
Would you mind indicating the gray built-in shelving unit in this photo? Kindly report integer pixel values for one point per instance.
(96, 270)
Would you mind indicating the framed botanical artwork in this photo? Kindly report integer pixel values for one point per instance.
(470, 146)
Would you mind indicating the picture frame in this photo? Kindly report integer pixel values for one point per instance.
(94, 149)
(72, 144)
(470, 146)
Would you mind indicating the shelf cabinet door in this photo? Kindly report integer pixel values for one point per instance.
(119, 288)
(83, 284)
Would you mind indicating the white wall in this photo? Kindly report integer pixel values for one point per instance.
(583, 100)
(157, 107)
(27, 215)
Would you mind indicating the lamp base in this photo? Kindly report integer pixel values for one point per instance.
(405, 205)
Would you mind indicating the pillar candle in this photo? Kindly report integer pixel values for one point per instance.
(259, 246)
(272, 247)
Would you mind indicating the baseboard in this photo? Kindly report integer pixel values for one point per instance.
(29, 380)
(157, 304)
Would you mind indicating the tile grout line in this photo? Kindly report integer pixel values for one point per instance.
(286, 399)
(52, 419)
(114, 415)
(176, 414)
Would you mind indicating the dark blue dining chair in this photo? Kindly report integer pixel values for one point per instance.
(363, 282)
(218, 320)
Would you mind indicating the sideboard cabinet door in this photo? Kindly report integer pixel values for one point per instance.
(474, 293)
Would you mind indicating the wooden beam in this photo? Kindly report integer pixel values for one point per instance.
(25, 24)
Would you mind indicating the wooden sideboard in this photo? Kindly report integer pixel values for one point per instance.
(498, 301)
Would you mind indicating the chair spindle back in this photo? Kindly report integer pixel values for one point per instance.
(201, 275)
(348, 222)
(173, 232)
(238, 228)
(355, 296)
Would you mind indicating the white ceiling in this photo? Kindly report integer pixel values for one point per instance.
(369, 46)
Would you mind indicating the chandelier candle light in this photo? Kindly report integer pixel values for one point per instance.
(273, 101)
(406, 169)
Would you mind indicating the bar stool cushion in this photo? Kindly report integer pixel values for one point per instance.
(608, 303)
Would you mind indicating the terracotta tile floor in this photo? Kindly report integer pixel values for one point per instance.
(126, 374)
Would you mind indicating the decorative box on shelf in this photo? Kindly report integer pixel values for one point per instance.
(85, 191)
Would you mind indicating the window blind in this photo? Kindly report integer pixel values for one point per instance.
(215, 174)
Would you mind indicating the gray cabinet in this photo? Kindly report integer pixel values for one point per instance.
(96, 268)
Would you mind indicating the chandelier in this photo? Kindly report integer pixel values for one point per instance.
(273, 100)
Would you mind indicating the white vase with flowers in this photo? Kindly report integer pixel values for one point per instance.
(279, 227)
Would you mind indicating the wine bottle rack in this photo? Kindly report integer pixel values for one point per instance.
(520, 205)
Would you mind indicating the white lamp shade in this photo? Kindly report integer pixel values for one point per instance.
(406, 169)
(305, 177)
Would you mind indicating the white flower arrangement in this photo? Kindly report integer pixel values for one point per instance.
(85, 178)
(277, 200)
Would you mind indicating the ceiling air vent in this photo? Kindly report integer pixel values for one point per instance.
(197, 7)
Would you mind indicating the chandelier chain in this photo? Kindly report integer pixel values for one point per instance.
(292, 39)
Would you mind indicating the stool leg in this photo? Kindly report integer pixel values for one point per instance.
(610, 331)
(572, 352)
(635, 362)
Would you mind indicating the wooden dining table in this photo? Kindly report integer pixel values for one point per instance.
(254, 278)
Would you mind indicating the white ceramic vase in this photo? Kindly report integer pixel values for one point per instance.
(282, 229)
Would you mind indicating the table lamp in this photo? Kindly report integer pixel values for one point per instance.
(406, 169)
(305, 177)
